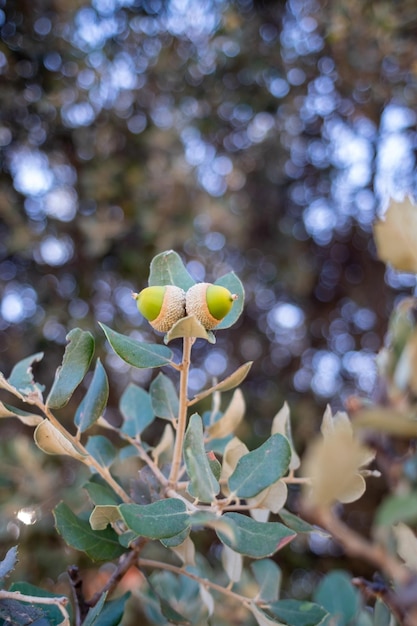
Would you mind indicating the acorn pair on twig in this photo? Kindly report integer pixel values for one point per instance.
(164, 305)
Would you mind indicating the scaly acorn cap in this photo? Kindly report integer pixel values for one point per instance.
(161, 305)
(209, 303)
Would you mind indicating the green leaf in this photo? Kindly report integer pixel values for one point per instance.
(107, 613)
(234, 285)
(397, 508)
(99, 545)
(94, 402)
(232, 381)
(167, 268)
(21, 377)
(51, 615)
(297, 524)
(100, 492)
(262, 618)
(29, 419)
(136, 408)
(268, 576)
(76, 361)
(101, 449)
(255, 539)
(337, 595)
(176, 540)
(137, 353)
(298, 613)
(8, 564)
(260, 468)
(203, 484)
(164, 397)
(164, 518)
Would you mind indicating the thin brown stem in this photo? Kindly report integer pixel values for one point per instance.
(182, 412)
(203, 581)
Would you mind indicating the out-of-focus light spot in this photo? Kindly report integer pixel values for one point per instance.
(215, 241)
(197, 379)
(137, 123)
(31, 173)
(55, 252)
(326, 378)
(197, 270)
(12, 309)
(27, 516)
(216, 363)
(78, 114)
(5, 136)
(61, 203)
(279, 87)
(286, 316)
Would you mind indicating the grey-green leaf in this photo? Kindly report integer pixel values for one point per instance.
(298, 612)
(337, 595)
(164, 397)
(75, 364)
(167, 268)
(261, 468)
(161, 519)
(101, 449)
(94, 402)
(234, 285)
(137, 353)
(255, 539)
(8, 564)
(29, 419)
(203, 484)
(21, 377)
(268, 576)
(136, 408)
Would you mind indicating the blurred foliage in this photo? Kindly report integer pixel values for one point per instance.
(256, 136)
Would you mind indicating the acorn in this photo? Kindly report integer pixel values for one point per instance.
(161, 305)
(209, 303)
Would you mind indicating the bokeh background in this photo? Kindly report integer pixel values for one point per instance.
(262, 137)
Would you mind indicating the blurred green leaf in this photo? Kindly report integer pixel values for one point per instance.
(298, 612)
(386, 420)
(75, 364)
(337, 595)
(397, 508)
(51, 615)
(94, 402)
(297, 523)
(100, 545)
(164, 397)
(260, 468)
(101, 449)
(8, 564)
(100, 492)
(136, 408)
(167, 268)
(256, 539)
(21, 377)
(262, 618)
(107, 613)
(203, 484)
(234, 285)
(164, 518)
(268, 576)
(137, 353)
(176, 540)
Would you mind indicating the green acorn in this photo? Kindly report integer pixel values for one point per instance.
(209, 303)
(161, 305)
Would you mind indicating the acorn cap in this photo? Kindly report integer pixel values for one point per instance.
(209, 303)
(161, 305)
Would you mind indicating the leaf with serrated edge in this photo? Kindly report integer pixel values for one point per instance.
(167, 268)
(75, 364)
(138, 353)
(8, 564)
(50, 440)
(230, 419)
(232, 381)
(164, 397)
(103, 515)
(282, 424)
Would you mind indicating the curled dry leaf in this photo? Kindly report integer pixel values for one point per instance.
(333, 463)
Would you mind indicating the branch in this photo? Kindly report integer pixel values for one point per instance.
(59, 602)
